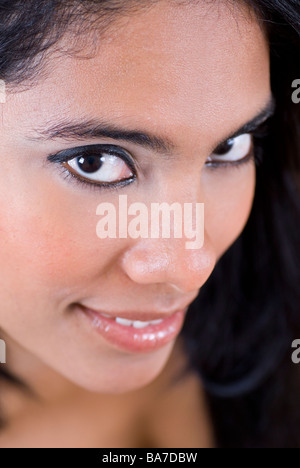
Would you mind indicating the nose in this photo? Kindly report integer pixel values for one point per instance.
(169, 262)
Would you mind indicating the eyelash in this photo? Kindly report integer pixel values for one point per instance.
(234, 164)
(67, 175)
(110, 149)
(257, 150)
(255, 155)
(259, 138)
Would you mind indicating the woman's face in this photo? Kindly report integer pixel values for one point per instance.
(188, 75)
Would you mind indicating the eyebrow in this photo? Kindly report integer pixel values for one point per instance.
(94, 129)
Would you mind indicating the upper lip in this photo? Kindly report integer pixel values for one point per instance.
(143, 316)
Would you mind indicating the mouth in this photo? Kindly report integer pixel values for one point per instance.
(127, 332)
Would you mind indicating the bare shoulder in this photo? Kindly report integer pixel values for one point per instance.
(177, 414)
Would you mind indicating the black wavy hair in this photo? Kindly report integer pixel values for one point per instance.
(239, 331)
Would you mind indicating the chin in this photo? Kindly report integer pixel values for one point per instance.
(118, 376)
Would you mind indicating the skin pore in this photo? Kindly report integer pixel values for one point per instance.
(192, 77)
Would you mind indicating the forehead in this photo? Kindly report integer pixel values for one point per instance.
(171, 67)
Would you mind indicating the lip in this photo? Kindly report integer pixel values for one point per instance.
(135, 340)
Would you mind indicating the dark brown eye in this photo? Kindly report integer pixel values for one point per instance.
(225, 147)
(105, 168)
(90, 164)
(233, 150)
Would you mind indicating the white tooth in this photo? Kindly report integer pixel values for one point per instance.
(125, 322)
(156, 322)
(138, 324)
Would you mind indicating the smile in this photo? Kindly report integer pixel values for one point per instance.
(135, 323)
(135, 336)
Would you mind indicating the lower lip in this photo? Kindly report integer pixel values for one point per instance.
(135, 340)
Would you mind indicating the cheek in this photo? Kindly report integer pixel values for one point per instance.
(229, 197)
(48, 241)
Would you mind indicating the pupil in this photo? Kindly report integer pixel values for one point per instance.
(225, 147)
(89, 164)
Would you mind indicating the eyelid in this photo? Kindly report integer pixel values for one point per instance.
(257, 130)
(72, 153)
(216, 160)
(93, 185)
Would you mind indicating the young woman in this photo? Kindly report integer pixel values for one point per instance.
(134, 341)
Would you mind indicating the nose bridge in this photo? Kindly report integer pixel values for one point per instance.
(177, 209)
(183, 187)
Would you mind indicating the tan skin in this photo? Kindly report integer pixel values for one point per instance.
(194, 82)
